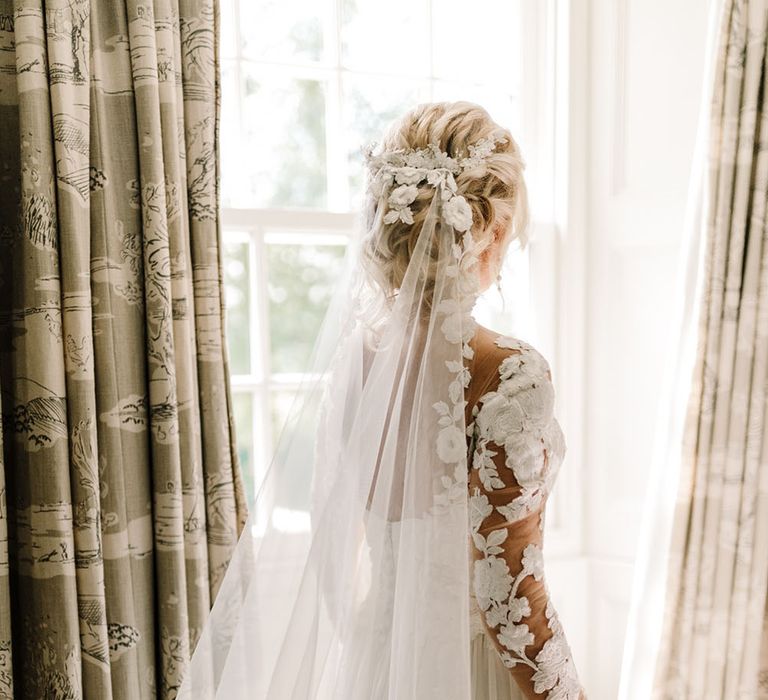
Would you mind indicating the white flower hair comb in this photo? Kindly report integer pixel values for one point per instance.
(407, 167)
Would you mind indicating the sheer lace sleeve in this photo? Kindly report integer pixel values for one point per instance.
(516, 448)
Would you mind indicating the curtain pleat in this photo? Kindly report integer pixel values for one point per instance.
(6, 653)
(718, 560)
(121, 499)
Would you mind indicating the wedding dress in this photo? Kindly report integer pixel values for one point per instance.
(435, 447)
(515, 447)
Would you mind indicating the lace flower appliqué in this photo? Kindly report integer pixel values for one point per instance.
(518, 418)
(457, 327)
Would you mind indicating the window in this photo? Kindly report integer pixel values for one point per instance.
(304, 85)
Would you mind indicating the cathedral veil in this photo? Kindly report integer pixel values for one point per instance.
(371, 601)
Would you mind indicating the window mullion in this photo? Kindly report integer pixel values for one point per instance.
(257, 329)
(260, 344)
(338, 182)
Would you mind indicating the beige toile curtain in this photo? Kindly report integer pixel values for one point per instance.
(712, 622)
(120, 494)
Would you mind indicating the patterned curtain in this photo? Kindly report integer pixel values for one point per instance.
(713, 638)
(120, 494)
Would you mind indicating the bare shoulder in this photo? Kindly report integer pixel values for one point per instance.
(508, 366)
(511, 375)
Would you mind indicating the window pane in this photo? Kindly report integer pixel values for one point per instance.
(282, 31)
(296, 496)
(492, 56)
(282, 153)
(236, 279)
(391, 37)
(300, 283)
(242, 405)
(370, 103)
(281, 402)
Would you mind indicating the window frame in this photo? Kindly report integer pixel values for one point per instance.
(254, 226)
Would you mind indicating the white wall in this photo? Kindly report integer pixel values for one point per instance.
(635, 82)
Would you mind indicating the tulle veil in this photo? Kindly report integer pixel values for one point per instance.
(372, 601)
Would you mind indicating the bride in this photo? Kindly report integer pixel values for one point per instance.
(420, 574)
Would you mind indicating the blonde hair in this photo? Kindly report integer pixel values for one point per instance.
(497, 198)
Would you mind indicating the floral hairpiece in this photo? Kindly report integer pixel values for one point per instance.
(407, 167)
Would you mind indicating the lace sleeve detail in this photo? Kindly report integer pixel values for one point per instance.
(517, 448)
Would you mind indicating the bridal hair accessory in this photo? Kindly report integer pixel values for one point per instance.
(407, 167)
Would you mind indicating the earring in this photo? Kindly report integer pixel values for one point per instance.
(498, 283)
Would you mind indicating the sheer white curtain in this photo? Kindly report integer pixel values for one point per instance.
(698, 602)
